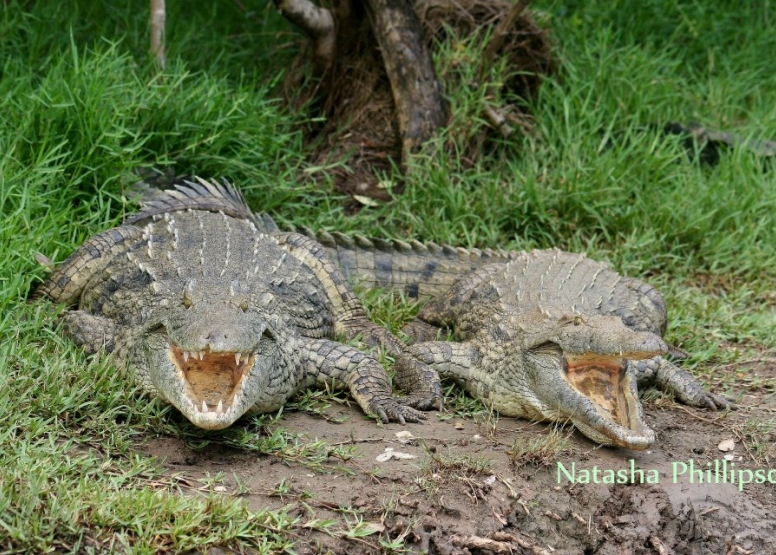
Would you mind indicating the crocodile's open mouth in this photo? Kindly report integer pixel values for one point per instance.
(599, 378)
(212, 379)
(604, 381)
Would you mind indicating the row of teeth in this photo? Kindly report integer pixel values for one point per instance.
(205, 410)
(194, 354)
(201, 355)
(238, 357)
(219, 408)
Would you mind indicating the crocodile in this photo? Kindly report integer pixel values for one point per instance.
(546, 335)
(218, 314)
(555, 336)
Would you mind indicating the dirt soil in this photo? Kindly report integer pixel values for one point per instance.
(462, 492)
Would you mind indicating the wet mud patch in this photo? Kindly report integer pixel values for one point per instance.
(452, 486)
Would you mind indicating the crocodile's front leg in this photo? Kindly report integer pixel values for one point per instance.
(93, 333)
(668, 377)
(419, 369)
(327, 361)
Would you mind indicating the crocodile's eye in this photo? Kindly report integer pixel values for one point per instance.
(244, 305)
(187, 302)
(578, 321)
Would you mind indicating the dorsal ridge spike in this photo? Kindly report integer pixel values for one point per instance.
(195, 194)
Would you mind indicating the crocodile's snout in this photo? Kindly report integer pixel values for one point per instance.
(607, 398)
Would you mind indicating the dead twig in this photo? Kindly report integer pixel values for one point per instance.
(723, 416)
(655, 542)
(500, 34)
(733, 549)
(497, 120)
(477, 542)
(521, 542)
(710, 510)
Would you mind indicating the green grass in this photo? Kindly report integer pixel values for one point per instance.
(82, 108)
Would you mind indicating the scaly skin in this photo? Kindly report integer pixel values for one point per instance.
(416, 269)
(217, 316)
(554, 336)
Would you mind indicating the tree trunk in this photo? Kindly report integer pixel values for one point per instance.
(420, 105)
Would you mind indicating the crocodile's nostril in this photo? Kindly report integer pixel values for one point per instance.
(215, 337)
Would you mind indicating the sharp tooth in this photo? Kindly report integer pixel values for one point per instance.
(237, 356)
(185, 356)
(204, 406)
(201, 355)
(220, 407)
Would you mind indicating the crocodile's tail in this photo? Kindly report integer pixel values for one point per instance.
(414, 268)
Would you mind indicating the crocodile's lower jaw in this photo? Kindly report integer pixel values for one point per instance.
(603, 380)
(212, 383)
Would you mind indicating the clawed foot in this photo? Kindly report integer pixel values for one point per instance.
(392, 410)
(432, 401)
(712, 401)
(419, 331)
(420, 382)
(683, 385)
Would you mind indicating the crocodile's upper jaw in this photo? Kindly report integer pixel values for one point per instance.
(606, 385)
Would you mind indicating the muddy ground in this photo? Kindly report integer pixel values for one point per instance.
(463, 492)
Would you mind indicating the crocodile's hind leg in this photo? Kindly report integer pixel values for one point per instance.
(67, 281)
(421, 382)
(667, 376)
(420, 331)
(433, 358)
(93, 333)
(351, 319)
(328, 361)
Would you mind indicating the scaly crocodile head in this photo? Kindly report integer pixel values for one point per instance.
(211, 356)
(576, 366)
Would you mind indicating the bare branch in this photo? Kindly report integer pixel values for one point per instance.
(317, 23)
(500, 34)
(497, 120)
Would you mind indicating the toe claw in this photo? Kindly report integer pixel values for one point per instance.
(715, 402)
(422, 403)
(381, 415)
(392, 410)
